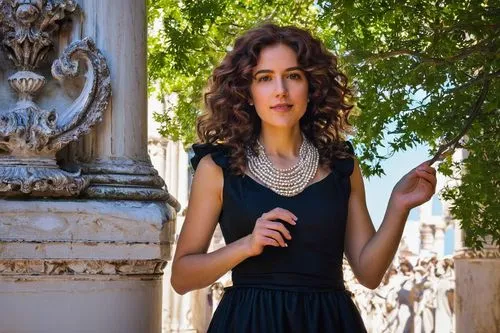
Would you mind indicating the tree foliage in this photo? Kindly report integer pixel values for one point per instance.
(417, 66)
(192, 38)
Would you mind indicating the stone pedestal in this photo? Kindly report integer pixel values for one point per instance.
(82, 265)
(76, 305)
(477, 299)
(86, 225)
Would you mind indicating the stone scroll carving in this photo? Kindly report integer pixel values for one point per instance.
(31, 136)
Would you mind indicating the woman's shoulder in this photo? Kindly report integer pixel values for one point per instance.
(344, 165)
(349, 148)
(217, 154)
(209, 175)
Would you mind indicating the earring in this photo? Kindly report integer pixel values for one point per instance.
(250, 103)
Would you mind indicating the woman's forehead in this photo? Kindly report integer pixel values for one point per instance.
(278, 57)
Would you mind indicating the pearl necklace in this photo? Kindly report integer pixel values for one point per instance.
(286, 182)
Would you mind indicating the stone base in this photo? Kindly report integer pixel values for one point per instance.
(69, 304)
(477, 291)
(57, 229)
(83, 265)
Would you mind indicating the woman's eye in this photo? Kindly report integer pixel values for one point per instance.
(294, 76)
(264, 78)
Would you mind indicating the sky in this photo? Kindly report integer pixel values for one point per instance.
(378, 191)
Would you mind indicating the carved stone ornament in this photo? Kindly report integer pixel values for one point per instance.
(488, 252)
(80, 267)
(30, 136)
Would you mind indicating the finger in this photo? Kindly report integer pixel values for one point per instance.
(429, 183)
(279, 227)
(427, 168)
(270, 242)
(285, 212)
(276, 236)
(430, 179)
(426, 163)
(428, 176)
(281, 214)
(261, 220)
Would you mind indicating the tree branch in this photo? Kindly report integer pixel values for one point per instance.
(417, 107)
(448, 148)
(475, 80)
(424, 58)
(395, 53)
(464, 27)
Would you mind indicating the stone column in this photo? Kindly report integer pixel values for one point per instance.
(85, 233)
(477, 297)
(426, 237)
(439, 232)
(116, 156)
(477, 273)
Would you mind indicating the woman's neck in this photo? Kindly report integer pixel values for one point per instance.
(282, 143)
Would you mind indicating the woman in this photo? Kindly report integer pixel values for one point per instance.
(274, 171)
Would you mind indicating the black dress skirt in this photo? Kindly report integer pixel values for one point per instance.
(298, 288)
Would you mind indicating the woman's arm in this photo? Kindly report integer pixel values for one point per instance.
(193, 267)
(370, 253)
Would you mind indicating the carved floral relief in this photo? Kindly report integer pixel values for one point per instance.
(29, 135)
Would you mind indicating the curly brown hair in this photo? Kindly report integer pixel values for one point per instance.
(230, 120)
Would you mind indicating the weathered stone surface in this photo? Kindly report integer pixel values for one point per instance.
(477, 290)
(29, 25)
(492, 252)
(92, 262)
(70, 303)
(29, 132)
(82, 268)
(79, 221)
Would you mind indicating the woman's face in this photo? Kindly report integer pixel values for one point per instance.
(279, 88)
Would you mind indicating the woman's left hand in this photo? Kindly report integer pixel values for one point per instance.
(415, 188)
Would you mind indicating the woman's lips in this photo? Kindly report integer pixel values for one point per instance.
(282, 107)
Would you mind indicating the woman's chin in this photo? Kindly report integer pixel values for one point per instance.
(281, 123)
(282, 126)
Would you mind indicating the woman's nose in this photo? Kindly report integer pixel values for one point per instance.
(281, 88)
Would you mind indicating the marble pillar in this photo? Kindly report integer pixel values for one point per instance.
(426, 237)
(86, 222)
(477, 291)
(439, 233)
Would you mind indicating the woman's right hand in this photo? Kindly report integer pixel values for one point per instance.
(268, 232)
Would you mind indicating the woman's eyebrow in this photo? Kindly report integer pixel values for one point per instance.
(262, 71)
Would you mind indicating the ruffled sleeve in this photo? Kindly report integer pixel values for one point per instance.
(220, 154)
(345, 166)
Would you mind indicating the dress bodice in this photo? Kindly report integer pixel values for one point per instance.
(313, 258)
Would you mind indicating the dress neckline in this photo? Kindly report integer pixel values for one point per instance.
(316, 183)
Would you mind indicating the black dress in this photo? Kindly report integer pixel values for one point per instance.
(298, 288)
